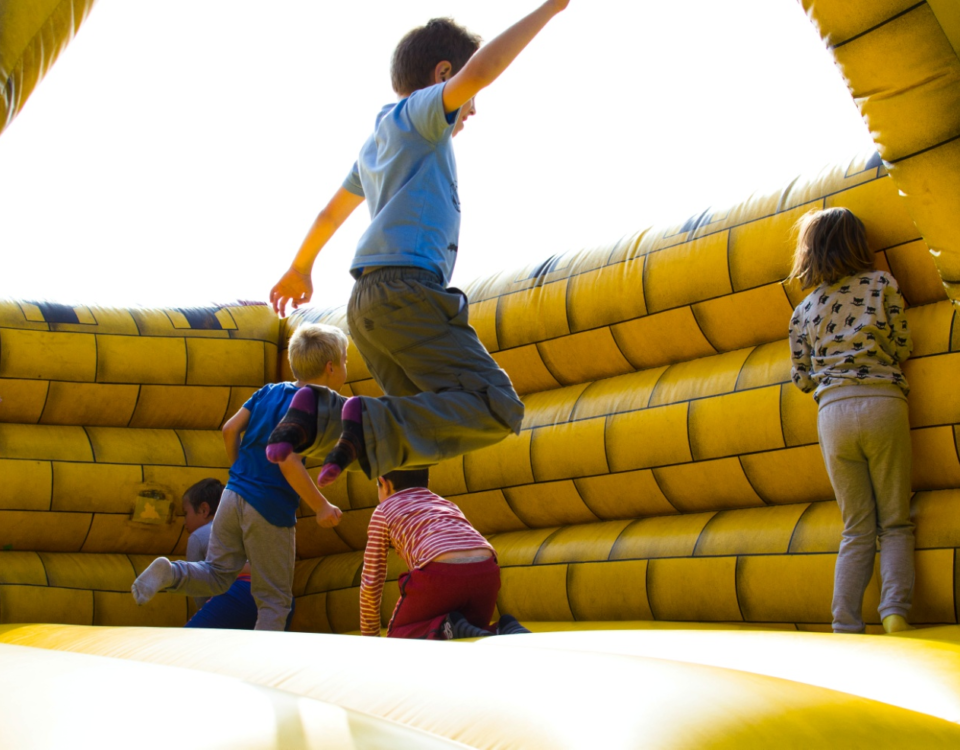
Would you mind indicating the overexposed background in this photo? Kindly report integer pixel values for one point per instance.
(178, 152)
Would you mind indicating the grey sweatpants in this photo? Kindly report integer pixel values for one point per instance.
(866, 446)
(239, 534)
(445, 395)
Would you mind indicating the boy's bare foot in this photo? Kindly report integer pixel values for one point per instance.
(298, 428)
(896, 624)
(158, 576)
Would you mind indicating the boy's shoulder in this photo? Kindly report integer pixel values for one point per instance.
(422, 111)
(270, 393)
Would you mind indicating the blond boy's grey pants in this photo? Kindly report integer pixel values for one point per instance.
(866, 446)
(446, 395)
(239, 534)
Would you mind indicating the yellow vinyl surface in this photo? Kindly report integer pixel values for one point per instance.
(622, 689)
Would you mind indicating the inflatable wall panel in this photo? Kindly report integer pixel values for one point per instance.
(32, 36)
(901, 62)
(664, 453)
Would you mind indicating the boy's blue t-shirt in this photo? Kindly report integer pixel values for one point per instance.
(253, 476)
(408, 175)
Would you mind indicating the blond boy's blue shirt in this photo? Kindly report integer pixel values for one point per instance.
(253, 476)
(408, 175)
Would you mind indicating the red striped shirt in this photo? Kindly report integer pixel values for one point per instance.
(420, 526)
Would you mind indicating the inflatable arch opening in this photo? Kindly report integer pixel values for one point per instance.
(664, 519)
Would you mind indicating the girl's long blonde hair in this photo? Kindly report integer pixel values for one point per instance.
(831, 244)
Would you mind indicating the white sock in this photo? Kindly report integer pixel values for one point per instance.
(158, 576)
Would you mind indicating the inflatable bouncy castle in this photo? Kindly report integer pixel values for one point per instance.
(664, 520)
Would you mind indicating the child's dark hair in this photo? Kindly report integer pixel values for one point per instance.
(205, 491)
(831, 244)
(404, 480)
(418, 53)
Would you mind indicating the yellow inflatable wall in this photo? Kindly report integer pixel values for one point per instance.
(665, 510)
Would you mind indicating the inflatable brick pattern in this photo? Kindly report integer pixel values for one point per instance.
(683, 471)
(901, 62)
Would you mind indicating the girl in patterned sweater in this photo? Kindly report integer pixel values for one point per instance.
(848, 338)
(451, 588)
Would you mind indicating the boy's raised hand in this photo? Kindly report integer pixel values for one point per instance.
(294, 287)
(494, 57)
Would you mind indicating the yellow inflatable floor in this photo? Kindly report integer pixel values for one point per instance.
(587, 689)
(664, 520)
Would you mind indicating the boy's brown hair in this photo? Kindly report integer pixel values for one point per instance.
(311, 346)
(418, 53)
(831, 244)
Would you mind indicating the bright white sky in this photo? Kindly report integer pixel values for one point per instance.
(177, 152)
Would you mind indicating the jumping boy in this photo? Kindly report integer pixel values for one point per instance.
(451, 588)
(256, 517)
(445, 394)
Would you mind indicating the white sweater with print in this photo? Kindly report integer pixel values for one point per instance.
(853, 332)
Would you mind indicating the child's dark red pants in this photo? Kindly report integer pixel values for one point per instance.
(428, 595)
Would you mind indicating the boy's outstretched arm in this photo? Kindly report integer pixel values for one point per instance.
(297, 477)
(295, 286)
(494, 57)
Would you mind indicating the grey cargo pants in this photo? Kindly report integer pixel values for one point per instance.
(445, 395)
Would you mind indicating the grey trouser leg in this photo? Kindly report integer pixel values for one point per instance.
(866, 447)
(239, 534)
(445, 394)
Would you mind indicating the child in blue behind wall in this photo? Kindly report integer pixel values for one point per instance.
(235, 609)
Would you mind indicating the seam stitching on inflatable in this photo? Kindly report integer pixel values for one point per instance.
(598, 518)
(956, 599)
(89, 529)
(566, 586)
(924, 150)
(546, 365)
(543, 544)
(797, 526)
(747, 476)
(136, 403)
(693, 552)
(696, 319)
(506, 499)
(656, 481)
(879, 25)
(646, 586)
(182, 448)
(616, 541)
(736, 587)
